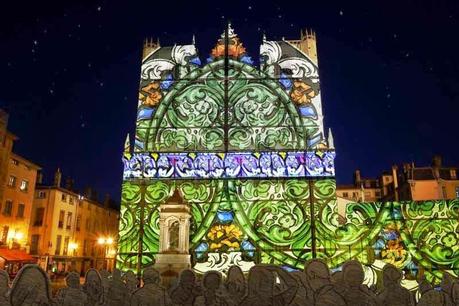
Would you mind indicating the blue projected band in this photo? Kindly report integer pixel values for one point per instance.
(229, 165)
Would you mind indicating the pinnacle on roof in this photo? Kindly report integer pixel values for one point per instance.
(235, 47)
(127, 145)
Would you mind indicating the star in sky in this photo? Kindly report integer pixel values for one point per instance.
(67, 43)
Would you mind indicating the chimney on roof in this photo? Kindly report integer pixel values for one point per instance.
(436, 161)
(107, 200)
(357, 178)
(88, 193)
(40, 178)
(407, 167)
(57, 178)
(395, 180)
(69, 183)
(95, 196)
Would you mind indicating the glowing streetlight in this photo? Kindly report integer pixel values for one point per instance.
(73, 246)
(107, 242)
(18, 235)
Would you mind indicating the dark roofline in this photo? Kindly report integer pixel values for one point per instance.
(25, 161)
(43, 187)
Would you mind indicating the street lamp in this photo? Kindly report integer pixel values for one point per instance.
(73, 246)
(18, 236)
(106, 242)
(15, 238)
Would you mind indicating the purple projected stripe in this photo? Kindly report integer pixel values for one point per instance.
(229, 165)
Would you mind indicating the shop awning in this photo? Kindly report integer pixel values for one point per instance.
(16, 255)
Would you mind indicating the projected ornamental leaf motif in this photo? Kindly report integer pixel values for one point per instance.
(245, 149)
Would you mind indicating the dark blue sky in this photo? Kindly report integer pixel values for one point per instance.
(389, 73)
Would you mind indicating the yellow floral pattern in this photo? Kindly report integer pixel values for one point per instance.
(224, 237)
(150, 95)
(302, 93)
(394, 251)
(235, 48)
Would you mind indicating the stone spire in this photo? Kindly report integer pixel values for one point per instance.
(127, 145)
(331, 142)
(57, 178)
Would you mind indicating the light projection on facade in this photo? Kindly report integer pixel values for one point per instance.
(239, 152)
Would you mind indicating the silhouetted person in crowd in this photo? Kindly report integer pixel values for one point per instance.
(4, 287)
(301, 296)
(393, 293)
(186, 291)
(152, 293)
(72, 295)
(319, 287)
(213, 294)
(93, 288)
(352, 289)
(31, 287)
(131, 281)
(117, 291)
(236, 286)
(270, 286)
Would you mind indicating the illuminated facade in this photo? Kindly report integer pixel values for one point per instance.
(69, 231)
(16, 207)
(240, 152)
(17, 185)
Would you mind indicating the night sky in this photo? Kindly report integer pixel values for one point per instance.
(69, 75)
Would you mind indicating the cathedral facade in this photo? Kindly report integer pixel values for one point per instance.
(230, 165)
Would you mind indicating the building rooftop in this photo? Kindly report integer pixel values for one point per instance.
(112, 204)
(25, 161)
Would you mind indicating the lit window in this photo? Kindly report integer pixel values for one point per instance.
(453, 174)
(78, 223)
(12, 181)
(14, 161)
(71, 200)
(39, 216)
(457, 192)
(4, 236)
(20, 213)
(61, 219)
(69, 220)
(8, 208)
(41, 194)
(24, 185)
(58, 244)
(66, 245)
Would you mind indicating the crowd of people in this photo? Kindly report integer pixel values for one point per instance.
(264, 285)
